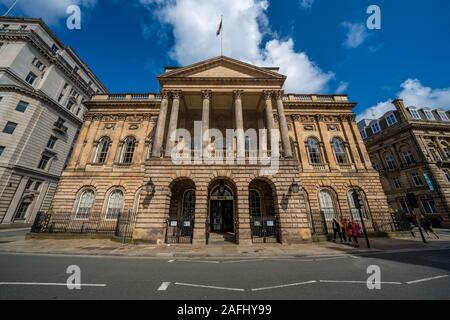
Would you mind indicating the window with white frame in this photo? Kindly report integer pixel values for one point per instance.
(22, 209)
(327, 205)
(115, 204)
(128, 150)
(414, 113)
(447, 152)
(443, 115)
(429, 114)
(255, 204)
(31, 78)
(417, 180)
(363, 133)
(391, 119)
(375, 127)
(353, 209)
(85, 204)
(102, 150)
(314, 151)
(339, 151)
(429, 206)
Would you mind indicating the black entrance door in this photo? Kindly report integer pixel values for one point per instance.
(221, 219)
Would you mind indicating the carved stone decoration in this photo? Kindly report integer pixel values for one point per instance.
(206, 94)
(333, 127)
(110, 125)
(295, 117)
(133, 126)
(267, 95)
(238, 94)
(309, 127)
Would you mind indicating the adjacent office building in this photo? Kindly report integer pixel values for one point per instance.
(43, 89)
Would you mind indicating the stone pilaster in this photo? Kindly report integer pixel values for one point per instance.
(173, 122)
(283, 125)
(159, 134)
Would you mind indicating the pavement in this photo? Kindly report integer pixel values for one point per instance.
(13, 240)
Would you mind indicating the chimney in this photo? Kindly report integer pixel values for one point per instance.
(403, 112)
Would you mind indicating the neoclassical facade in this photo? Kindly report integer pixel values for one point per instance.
(285, 170)
(410, 147)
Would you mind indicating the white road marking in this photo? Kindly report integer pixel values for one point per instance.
(200, 261)
(164, 286)
(354, 281)
(244, 260)
(209, 287)
(427, 279)
(51, 284)
(170, 261)
(285, 285)
(333, 258)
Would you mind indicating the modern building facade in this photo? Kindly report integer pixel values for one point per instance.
(132, 158)
(410, 147)
(43, 88)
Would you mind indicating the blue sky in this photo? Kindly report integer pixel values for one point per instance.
(127, 43)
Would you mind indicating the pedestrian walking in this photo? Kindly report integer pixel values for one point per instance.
(356, 231)
(427, 226)
(336, 230)
(344, 229)
(349, 231)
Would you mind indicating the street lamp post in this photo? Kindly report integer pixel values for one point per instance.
(357, 203)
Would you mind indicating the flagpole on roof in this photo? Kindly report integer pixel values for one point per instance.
(221, 36)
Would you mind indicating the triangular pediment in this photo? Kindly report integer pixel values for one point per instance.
(222, 68)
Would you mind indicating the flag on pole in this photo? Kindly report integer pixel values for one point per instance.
(220, 28)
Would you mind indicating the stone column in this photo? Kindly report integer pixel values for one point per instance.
(239, 124)
(283, 126)
(270, 122)
(159, 133)
(206, 95)
(173, 121)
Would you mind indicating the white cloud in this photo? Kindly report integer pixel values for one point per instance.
(356, 34)
(342, 87)
(49, 10)
(245, 30)
(306, 4)
(414, 93)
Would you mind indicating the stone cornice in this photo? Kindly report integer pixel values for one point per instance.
(31, 37)
(39, 95)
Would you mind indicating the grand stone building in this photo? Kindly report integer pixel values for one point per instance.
(127, 160)
(43, 89)
(410, 147)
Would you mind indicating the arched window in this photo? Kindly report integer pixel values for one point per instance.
(339, 150)
(314, 151)
(327, 205)
(255, 204)
(188, 204)
(128, 150)
(23, 208)
(102, 150)
(115, 204)
(85, 204)
(354, 211)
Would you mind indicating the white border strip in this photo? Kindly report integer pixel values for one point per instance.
(210, 287)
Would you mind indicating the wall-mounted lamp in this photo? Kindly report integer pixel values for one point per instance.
(295, 187)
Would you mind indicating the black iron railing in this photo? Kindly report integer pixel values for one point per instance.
(95, 223)
(179, 230)
(264, 229)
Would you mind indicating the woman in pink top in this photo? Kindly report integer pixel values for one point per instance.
(355, 233)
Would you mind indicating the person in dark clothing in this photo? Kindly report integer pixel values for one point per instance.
(344, 229)
(427, 226)
(336, 230)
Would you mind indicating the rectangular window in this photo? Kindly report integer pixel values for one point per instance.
(22, 210)
(51, 142)
(404, 206)
(2, 148)
(443, 115)
(37, 185)
(429, 206)
(391, 119)
(390, 162)
(363, 133)
(376, 166)
(375, 127)
(21, 106)
(10, 127)
(397, 183)
(70, 105)
(447, 175)
(28, 185)
(31, 77)
(447, 152)
(417, 180)
(60, 97)
(54, 49)
(429, 114)
(43, 162)
(78, 111)
(414, 113)
(409, 158)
